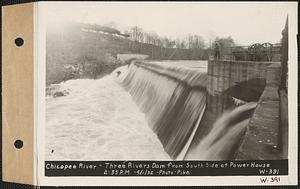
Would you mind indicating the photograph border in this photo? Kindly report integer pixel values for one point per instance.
(176, 180)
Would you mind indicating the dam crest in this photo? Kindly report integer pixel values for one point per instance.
(204, 114)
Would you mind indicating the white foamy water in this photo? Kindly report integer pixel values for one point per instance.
(98, 120)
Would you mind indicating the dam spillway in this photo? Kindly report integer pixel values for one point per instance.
(183, 103)
(170, 97)
(162, 110)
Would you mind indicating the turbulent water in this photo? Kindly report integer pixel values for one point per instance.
(98, 120)
(144, 111)
(224, 138)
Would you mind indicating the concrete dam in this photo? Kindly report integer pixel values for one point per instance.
(209, 110)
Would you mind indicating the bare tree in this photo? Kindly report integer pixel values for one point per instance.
(225, 42)
(148, 37)
(178, 43)
(195, 42)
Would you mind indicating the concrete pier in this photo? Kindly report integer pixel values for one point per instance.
(240, 79)
(261, 140)
(223, 74)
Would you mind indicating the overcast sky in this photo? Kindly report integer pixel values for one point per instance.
(247, 23)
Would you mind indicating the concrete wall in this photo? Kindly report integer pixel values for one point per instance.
(262, 137)
(223, 74)
(126, 57)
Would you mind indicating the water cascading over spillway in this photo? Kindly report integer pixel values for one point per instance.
(173, 100)
(223, 140)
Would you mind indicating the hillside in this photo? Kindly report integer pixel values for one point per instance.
(81, 51)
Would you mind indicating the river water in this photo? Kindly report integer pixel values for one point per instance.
(98, 120)
(139, 113)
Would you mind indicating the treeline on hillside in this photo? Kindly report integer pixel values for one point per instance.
(137, 34)
(89, 51)
(161, 53)
(190, 41)
(140, 41)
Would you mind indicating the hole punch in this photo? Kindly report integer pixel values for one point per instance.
(19, 41)
(18, 144)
